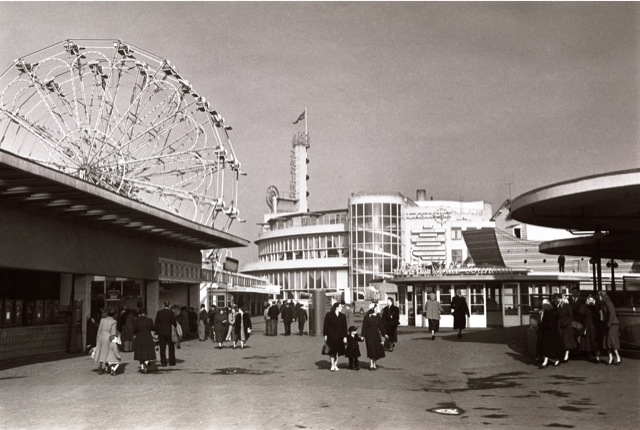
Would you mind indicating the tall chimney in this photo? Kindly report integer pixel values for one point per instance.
(421, 195)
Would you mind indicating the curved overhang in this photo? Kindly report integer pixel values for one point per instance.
(33, 187)
(622, 246)
(608, 202)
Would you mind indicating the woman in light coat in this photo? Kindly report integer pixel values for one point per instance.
(432, 312)
(107, 328)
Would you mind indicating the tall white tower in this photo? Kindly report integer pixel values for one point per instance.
(299, 176)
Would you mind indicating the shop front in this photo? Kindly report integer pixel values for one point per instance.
(496, 298)
(69, 250)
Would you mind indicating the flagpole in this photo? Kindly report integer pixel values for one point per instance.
(305, 120)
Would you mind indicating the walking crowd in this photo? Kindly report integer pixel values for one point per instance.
(580, 326)
(567, 325)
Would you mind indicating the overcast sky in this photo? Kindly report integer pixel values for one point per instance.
(460, 99)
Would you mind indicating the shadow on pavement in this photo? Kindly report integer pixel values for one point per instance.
(45, 358)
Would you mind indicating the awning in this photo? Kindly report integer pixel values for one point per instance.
(258, 289)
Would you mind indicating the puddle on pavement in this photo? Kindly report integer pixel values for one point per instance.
(572, 409)
(240, 371)
(500, 380)
(11, 377)
(495, 416)
(556, 393)
(447, 408)
(562, 426)
(487, 409)
(569, 378)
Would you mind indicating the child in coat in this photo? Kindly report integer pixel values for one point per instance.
(353, 348)
(113, 358)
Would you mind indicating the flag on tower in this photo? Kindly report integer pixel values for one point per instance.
(301, 117)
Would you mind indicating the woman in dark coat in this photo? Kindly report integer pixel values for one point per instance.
(220, 326)
(565, 316)
(592, 339)
(372, 328)
(242, 326)
(550, 342)
(460, 312)
(610, 327)
(144, 331)
(335, 333)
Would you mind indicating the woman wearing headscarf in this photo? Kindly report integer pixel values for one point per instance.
(108, 326)
(610, 328)
(144, 331)
(565, 316)
(433, 309)
(372, 328)
(335, 333)
(550, 342)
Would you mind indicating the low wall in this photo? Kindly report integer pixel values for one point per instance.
(34, 340)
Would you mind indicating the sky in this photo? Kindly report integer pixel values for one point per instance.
(467, 100)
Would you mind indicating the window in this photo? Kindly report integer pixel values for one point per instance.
(517, 232)
(456, 233)
(477, 299)
(456, 256)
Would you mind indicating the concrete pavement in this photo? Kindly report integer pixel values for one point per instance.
(484, 380)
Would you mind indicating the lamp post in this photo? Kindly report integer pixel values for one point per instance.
(597, 236)
(613, 265)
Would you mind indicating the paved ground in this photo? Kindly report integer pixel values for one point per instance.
(284, 383)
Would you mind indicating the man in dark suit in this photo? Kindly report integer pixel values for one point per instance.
(165, 319)
(274, 311)
(288, 316)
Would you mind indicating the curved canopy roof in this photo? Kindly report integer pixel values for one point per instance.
(609, 203)
(33, 187)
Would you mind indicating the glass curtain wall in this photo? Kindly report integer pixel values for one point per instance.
(376, 242)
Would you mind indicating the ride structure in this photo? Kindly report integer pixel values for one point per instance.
(126, 120)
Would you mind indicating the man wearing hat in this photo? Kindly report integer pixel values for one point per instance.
(165, 318)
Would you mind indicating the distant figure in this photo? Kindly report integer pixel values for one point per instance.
(561, 260)
(274, 311)
(550, 343)
(432, 312)
(301, 316)
(372, 328)
(145, 349)
(610, 327)
(220, 326)
(288, 316)
(565, 316)
(460, 312)
(242, 326)
(106, 329)
(267, 319)
(202, 323)
(391, 320)
(166, 322)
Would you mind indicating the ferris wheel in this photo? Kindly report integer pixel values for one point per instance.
(126, 120)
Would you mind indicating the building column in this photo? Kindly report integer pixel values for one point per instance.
(153, 298)
(82, 291)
